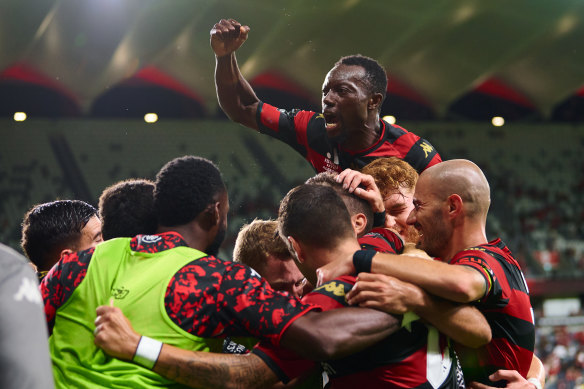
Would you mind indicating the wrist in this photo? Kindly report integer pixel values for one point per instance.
(362, 260)
(418, 300)
(379, 219)
(535, 382)
(147, 352)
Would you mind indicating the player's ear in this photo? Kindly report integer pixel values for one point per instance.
(211, 216)
(296, 249)
(65, 252)
(455, 205)
(375, 101)
(359, 222)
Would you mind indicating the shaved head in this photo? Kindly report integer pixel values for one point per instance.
(461, 177)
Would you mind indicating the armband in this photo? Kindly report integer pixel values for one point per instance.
(379, 219)
(535, 382)
(362, 260)
(147, 352)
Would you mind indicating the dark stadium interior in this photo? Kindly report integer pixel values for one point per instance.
(86, 72)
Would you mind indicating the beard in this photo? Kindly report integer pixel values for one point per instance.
(435, 240)
(213, 248)
(411, 235)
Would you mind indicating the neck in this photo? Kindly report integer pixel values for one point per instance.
(193, 235)
(466, 237)
(365, 136)
(318, 257)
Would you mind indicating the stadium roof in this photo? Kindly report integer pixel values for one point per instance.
(443, 57)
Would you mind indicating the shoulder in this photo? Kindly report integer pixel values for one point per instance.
(382, 240)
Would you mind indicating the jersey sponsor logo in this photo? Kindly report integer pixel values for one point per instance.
(28, 291)
(151, 238)
(427, 148)
(119, 293)
(334, 289)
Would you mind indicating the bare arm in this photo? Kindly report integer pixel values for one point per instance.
(462, 323)
(536, 371)
(212, 370)
(453, 282)
(338, 333)
(115, 335)
(235, 95)
(316, 336)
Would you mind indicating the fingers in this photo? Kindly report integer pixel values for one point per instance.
(350, 179)
(229, 29)
(508, 375)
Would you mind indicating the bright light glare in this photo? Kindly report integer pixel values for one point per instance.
(497, 121)
(19, 116)
(151, 118)
(390, 119)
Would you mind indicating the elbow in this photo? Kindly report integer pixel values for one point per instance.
(480, 340)
(466, 292)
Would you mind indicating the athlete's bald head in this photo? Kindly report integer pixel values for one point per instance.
(461, 177)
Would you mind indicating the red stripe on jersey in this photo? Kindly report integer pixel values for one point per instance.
(270, 117)
(504, 353)
(435, 160)
(301, 123)
(404, 143)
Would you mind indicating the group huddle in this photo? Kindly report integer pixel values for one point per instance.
(376, 272)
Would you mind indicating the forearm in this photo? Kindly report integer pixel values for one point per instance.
(462, 323)
(235, 95)
(211, 370)
(537, 371)
(338, 333)
(452, 282)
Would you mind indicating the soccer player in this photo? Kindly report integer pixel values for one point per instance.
(402, 359)
(396, 181)
(451, 204)
(58, 228)
(259, 246)
(347, 134)
(126, 209)
(173, 288)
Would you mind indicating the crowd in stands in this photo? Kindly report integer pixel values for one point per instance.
(561, 349)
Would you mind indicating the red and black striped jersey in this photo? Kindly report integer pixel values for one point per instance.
(305, 132)
(416, 356)
(208, 297)
(507, 308)
(382, 240)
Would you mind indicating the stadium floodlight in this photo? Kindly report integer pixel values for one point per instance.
(151, 118)
(19, 116)
(497, 121)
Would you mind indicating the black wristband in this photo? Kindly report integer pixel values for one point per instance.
(379, 219)
(362, 260)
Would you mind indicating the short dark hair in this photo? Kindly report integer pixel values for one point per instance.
(49, 228)
(314, 215)
(354, 204)
(185, 186)
(126, 209)
(374, 73)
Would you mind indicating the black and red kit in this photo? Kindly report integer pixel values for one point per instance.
(208, 297)
(416, 356)
(506, 307)
(305, 132)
